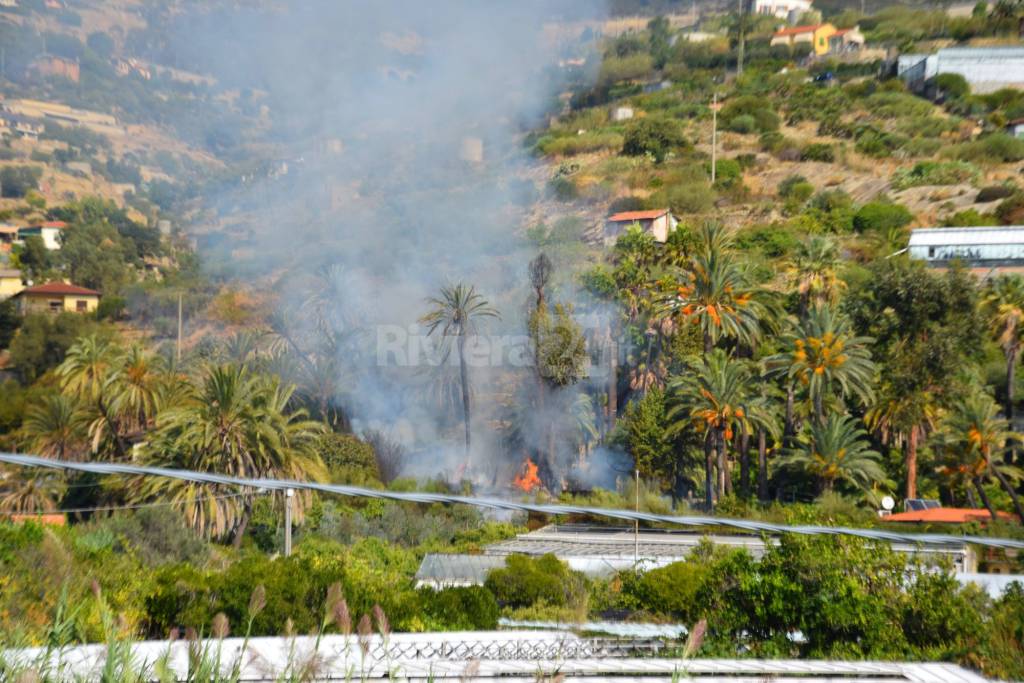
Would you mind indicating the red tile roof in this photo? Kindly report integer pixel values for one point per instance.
(53, 224)
(637, 215)
(796, 30)
(1015, 122)
(945, 516)
(59, 288)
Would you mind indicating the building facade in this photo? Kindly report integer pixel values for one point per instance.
(983, 250)
(986, 69)
(57, 297)
(51, 232)
(658, 222)
(815, 36)
(790, 10)
(10, 283)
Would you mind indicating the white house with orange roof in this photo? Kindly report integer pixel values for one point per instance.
(658, 222)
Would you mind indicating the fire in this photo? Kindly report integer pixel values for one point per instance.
(527, 479)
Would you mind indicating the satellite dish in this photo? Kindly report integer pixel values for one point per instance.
(888, 503)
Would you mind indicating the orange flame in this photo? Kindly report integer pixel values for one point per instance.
(527, 479)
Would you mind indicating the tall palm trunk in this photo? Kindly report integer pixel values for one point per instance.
(709, 346)
(613, 380)
(984, 496)
(762, 466)
(723, 465)
(789, 429)
(1010, 490)
(243, 522)
(709, 469)
(911, 462)
(744, 463)
(465, 391)
(1011, 374)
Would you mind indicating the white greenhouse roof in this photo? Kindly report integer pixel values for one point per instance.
(946, 237)
(447, 656)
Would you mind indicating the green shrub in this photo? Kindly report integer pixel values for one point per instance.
(1011, 210)
(670, 591)
(953, 86)
(525, 582)
(728, 172)
(921, 147)
(970, 218)
(627, 204)
(881, 217)
(745, 124)
(654, 135)
(17, 181)
(772, 141)
(877, 143)
(818, 152)
(1003, 648)
(570, 145)
(111, 308)
(897, 105)
(752, 110)
(691, 198)
(470, 608)
(773, 241)
(935, 173)
(615, 69)
(349, 459)
(563, 189)
(997, 147)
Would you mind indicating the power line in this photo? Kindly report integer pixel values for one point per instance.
(501, 504)
(136, 506)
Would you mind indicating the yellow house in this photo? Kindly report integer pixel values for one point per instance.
(816, 36)
(57, 297)
(10, 283)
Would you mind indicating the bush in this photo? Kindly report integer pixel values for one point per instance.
(17, 181)
(670, 591)
(953, 86)
(997, 147)
(627, 204)
(1011, 210)
(934, 173)
(615, 69)
(525, 582)
(349, 460)
(692, 198)
(772, 141)
(881, 217)
(728, 172)
(771, 240)
(654, 135)
(818, 152)
(111, 308)
(897, 105)
(744, 124)
(569, 145)
(470, 608)
(563, 189)
(878, 144)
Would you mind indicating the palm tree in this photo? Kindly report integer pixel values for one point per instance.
(55, 428)
(836, 451)
(972, 433)
(28, 493)
(136, 387)
(813, 272)
(237, 423)
(714, 293)
(1003, 306)
(711, 398)
(823, 354)
(905, 420)
(456, 313)
(86, 374)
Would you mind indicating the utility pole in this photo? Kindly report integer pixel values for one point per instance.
(288, 494)
(741, 25)
(178, 350)
(714, 134)
(636, 527)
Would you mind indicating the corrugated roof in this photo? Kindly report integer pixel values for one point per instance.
(942, 237)
(637, 215)
(1000, 52)
(458, 568)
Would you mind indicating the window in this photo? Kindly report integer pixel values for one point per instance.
(931, 252)
(56, 306)
(81, 306)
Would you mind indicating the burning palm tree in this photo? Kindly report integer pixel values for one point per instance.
(456, 314)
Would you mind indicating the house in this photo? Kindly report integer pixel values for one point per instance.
(790, 10)
(51, 232)
(816, 36)
(986, 69)
(1016, 128)
(846, 40)
(983, 250)
(22, 125)
(10, 283)
(57, 297)
(8, 236)
(658, 222)
(622, 113)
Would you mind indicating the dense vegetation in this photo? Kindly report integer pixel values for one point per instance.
(781, 358)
